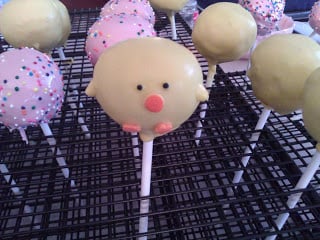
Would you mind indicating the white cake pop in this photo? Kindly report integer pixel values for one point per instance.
(311, 116)
(278, 77)
(41, 24)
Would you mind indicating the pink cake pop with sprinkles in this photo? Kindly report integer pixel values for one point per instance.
(31, 88)
(137, 7)
(110, 30)
(31, 93)
(314, 18)
(267, 13)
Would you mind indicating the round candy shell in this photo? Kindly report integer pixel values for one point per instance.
(31, 88)
(41, 24)
(110, 30)
(137, 7)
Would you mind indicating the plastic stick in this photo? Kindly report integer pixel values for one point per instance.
(204, 106)
(145, 187)
(23, 135)
(171, 16)
(16, 190)
(61, 53)
(312, 34)
(81, 121)
(60, 160)
(254, 138)
(4, 170)
(303, 182)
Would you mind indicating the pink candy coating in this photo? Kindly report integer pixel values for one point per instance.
(110, 30)
(267, 13)
(314, 17)
(31, 88)
(137, 7)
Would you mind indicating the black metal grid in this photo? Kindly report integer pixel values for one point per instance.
(191, 184)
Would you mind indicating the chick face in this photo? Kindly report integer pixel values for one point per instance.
(148, 85)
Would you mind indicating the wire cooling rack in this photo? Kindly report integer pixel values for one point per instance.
(192, 195)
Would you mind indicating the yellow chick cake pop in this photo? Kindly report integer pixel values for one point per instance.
(148, 85)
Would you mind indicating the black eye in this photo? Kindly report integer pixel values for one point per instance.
(165, 85)
(139, 87)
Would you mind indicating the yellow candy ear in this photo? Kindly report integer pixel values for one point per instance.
(202, 93)
(91, 90)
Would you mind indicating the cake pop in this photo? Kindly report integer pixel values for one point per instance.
(280, 66)
(267, 13)
(152, 96)
(170, 7)
(42, 24)
(138, 7)
(31, 90)
(314, 18)
(223, 32)
(111, 29)
(311, 116)
(149, 100)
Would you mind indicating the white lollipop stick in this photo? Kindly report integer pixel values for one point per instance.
(61, 53)
(204, 106)
(171, 16)
(145, 186)
(60, 160)
(4, 170)
(23, 135)
(254, 138)
(312, 34)
(81, 121)
(16, 190)
(303, 182)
